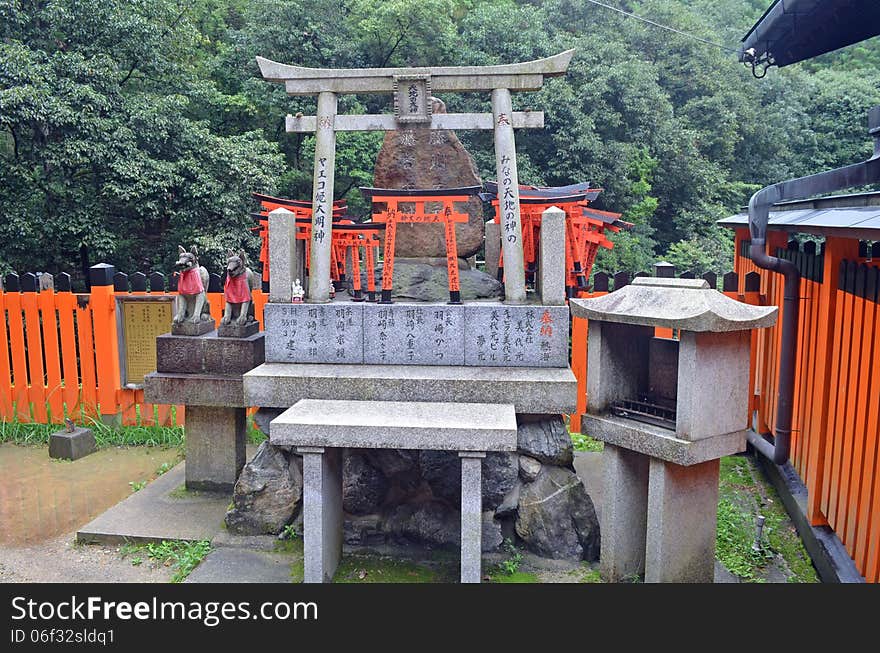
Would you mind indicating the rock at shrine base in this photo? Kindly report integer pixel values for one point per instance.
(193, 328)
(238, 330)
(426, 280)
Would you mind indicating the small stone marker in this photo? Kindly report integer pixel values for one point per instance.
(73, 443)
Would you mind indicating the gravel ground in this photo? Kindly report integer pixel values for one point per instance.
(61, 560)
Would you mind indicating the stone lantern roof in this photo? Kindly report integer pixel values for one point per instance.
(684, 304)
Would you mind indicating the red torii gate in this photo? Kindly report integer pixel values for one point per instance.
(585, 228)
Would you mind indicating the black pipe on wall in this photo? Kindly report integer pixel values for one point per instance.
(859, 174)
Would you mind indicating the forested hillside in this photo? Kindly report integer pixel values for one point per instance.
(129, 126)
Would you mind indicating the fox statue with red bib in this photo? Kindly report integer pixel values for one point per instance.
(237, 290)
(192, 302)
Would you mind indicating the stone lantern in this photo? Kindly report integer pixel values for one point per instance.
(667, 410)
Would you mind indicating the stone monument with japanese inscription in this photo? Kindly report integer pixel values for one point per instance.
(420, 421)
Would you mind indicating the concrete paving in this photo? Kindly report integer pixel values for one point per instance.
(160, 511)
(234, 565)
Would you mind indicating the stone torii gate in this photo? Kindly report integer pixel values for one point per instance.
(412, 89)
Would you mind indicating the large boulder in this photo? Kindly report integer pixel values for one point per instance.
(492, 537)
(546, 439)
(556, 517)
(425, 158)
(363, 486)
(427, 280)
(500, 474)
(442, 471)
(432, 523)
(267, 493)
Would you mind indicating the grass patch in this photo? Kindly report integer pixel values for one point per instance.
(181, 555)
(583, 442)
(383, 569)
(105, 435)
(254, 435)
(164, 467)
(743, 495)
(137, 486)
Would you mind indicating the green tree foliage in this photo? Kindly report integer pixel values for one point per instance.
(129, 126)
(104, 157)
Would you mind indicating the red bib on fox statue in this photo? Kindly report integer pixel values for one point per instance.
(236, 289)
(190, 282)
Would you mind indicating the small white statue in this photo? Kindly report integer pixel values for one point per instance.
(298, 292)
(332, 290)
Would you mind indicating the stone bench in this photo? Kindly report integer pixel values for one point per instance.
(320, 428)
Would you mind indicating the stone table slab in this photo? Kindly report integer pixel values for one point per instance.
(529, 390)
(396, 425)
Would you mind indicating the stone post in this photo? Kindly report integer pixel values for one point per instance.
(551, 258)
(624, 513)
(322, 512)
(471, 515)
(508, 198)
(682, 508)
(215, 447)
(322, 209)
(282, 255)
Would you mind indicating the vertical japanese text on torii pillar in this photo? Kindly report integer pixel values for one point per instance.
(319, 206)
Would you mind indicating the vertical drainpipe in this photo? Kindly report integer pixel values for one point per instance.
(859, 174)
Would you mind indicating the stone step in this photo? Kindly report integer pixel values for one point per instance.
(396, 425)
(547, 391)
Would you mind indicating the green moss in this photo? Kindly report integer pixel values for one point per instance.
(383, 569)
(292, 547)
(182, 492)
(297, 572)
(589, 575)
(515, 577)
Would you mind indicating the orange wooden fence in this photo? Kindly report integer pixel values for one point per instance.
(836, 427)
(60, 353)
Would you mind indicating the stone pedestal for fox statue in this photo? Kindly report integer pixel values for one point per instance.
(192, 314)
(238, 316)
